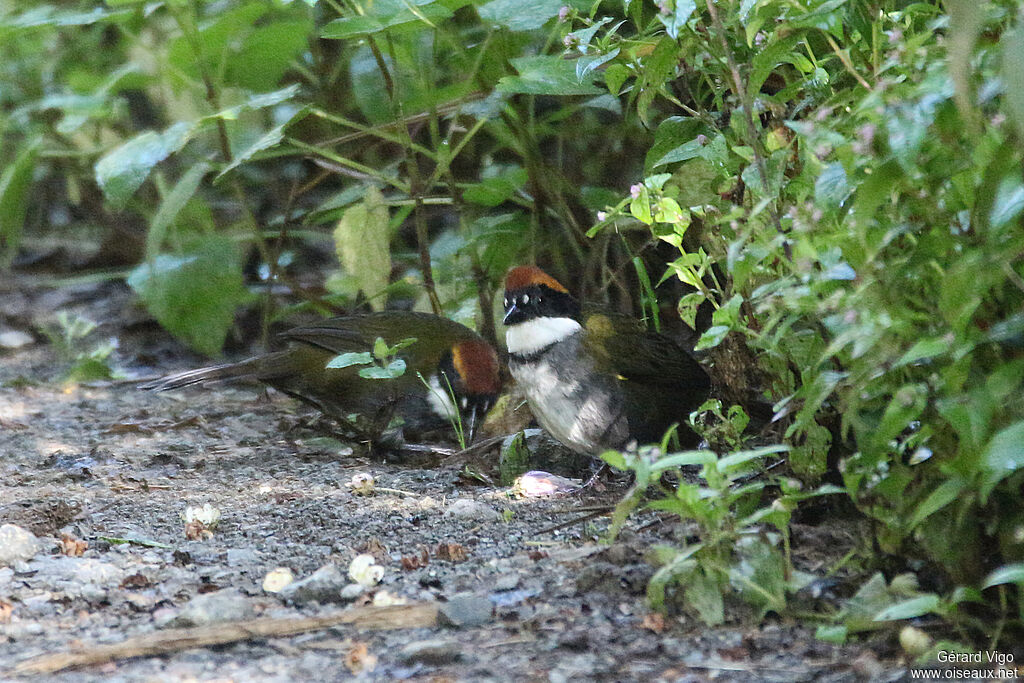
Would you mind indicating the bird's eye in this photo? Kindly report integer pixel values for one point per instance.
(506, 302)
(526, 299)
(465, 402)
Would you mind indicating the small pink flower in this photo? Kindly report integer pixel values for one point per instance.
(563, 14)
(602, 215)
(702, 139)
(635, 190)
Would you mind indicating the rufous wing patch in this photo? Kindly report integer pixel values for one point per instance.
(477, 365)
(527, 276)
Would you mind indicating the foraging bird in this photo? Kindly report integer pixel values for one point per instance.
(599, 381)
(458, 369)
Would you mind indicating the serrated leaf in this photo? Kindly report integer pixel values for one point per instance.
(15, 183)
(351, 358)
(362, 242)
(121, 172)
(704, 596)
(688, 306)
(194, 295)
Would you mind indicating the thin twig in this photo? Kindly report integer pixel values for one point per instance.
(418, 615)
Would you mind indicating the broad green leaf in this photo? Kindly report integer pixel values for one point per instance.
(831, 189)
(742, 457)
(520, 15)
(704, 596)
(494, 191)
(1009, 202)
(15, 182)
(362, 241)
(267, 53)
(1011, 573)
(943, 495)
(194, 295)
(171, 205)
(345, 360)
(1003, 456)
(908, 609)
(49, 15)
(676, 20)
(924, 348)
(121, 172)
(254, 102)
(387, 15)
(688, 306)
(615, 459)
(682, 460)
(546, 75)
(380, 349)
(711, 338)
(832, 634)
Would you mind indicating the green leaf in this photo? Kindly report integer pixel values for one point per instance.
(908, 609)
(1012, 44)
(362, 242)
(255, 102)
(1009, 202)
(520, 15)
(712, 337)
(15, 183)
(171, 205)
(704, 596)
(615, 459)
(832, 634)
(682, 460)
(267, 53)
(494, 191)
(677, 20)
(345, 360)
(121, 172)
(1011, 573)
(380, 349)
(546, 75)
(271, 138)
(688, 306)
(831, 188)
(924, 348)
(514, 459)
(614, 76)
(734, 460)
(943, 495)
(194, 296)
(388, 15)
(1003, 456)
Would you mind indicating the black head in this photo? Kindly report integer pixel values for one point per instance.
(531, 293)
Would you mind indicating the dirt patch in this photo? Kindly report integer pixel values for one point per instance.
(117, 468)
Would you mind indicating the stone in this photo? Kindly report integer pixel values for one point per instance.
(227, 604)
(435, 651)
(472, 511)
(239, 557)
(17, 545)
(323, 585)
(465, 610)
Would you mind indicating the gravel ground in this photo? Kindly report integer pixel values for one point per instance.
(111, 470)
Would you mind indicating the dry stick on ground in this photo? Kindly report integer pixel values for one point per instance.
(419, 615)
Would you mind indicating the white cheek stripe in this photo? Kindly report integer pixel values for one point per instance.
(533, 335)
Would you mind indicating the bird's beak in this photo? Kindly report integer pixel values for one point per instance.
(512, 310)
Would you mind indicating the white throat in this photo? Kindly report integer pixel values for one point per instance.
(440, 399)
(533, 335)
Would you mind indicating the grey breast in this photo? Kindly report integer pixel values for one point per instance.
(579, 405)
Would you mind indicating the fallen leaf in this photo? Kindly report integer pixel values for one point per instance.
(197, 531)
(411, 562)
(359, 659)
(136, 581)
(451, 552)
(72, 547)
(653, 621)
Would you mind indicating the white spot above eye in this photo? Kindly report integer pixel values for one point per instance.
(533, 335)
(526, 299)
(506, 302)
(464, 402)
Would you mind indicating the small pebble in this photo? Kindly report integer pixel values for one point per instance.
(472, 511)
(435, 651)
(17, 544)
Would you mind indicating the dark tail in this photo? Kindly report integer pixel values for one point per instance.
(247, 369)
